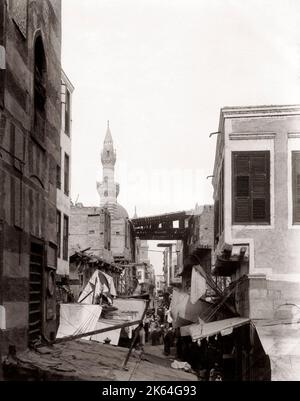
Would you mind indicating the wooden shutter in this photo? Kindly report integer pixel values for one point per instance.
(66, 174)
(251, 187)
(296, 186)
(65, 237)
(241, 187)
(260, 186)
(58, 231)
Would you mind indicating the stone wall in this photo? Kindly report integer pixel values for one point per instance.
(27, 163)
(87, 230)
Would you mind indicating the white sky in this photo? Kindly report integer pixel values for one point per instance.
(160, 70)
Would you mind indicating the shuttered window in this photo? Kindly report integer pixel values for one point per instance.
(65, 237)
(251, 187)
(66, 174)
(296, 186)
(67, 113)
(58, 231)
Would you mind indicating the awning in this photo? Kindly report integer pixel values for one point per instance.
(184, 312)
(202, 330)
(281, 342)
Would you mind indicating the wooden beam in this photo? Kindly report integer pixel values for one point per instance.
(91, 333)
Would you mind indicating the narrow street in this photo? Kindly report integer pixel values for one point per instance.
(149, 191)
(86, 360)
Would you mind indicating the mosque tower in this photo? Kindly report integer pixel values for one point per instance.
(108, 189)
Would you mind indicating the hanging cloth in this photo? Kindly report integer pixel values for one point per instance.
(198, 285)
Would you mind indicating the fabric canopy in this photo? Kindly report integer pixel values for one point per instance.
(202, 330)
(183, 311)
(99, 283)
(281, 342)
(77, 319)
(198, 284)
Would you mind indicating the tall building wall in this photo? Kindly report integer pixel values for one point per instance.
(272, 259)
(90, 229)
(64, 176)
(30, 120)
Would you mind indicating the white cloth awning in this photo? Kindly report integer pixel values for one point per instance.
(202, 330)
(77, 319)
(281, 342)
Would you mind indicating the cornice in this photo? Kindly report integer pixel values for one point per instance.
(294, 135)
(260, 111)
(251, 135)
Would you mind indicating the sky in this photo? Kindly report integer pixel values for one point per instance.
(160, 71)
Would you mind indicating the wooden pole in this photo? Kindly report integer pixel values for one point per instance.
(85, 296)
(90, 333)
(136, 334)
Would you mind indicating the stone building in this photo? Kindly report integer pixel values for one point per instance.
(199, 242)
(257, 226)
(90, 228)
(30, 122)
(63, 181)
(172, 263)
(105, 231)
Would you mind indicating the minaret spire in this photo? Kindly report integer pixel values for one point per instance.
(108, 189)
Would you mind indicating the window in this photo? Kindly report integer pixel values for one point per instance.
(107, 230)
(67, 112)
(65, 237)
(296, 186)
(58, 231)
(251, 187)
(66, 174)
(39, 89)
(58, 176)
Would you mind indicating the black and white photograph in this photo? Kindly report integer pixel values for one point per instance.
(149, 193)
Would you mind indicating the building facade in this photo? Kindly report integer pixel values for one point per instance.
(63, 178)
(30, 121)
(159, 284)
(256, 192)
(199, 242)
(257, 223)
(90, 229)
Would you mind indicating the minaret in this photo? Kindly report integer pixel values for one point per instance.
(108, 189)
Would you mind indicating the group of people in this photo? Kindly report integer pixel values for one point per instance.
(157, 331)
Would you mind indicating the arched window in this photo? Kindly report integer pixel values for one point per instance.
(105, 179)
(39, 87)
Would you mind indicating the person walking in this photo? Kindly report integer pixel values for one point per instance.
(146, 328)
(168, 340)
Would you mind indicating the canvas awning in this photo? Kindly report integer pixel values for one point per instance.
(202, 330)
(280, 339)
(184, 312)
